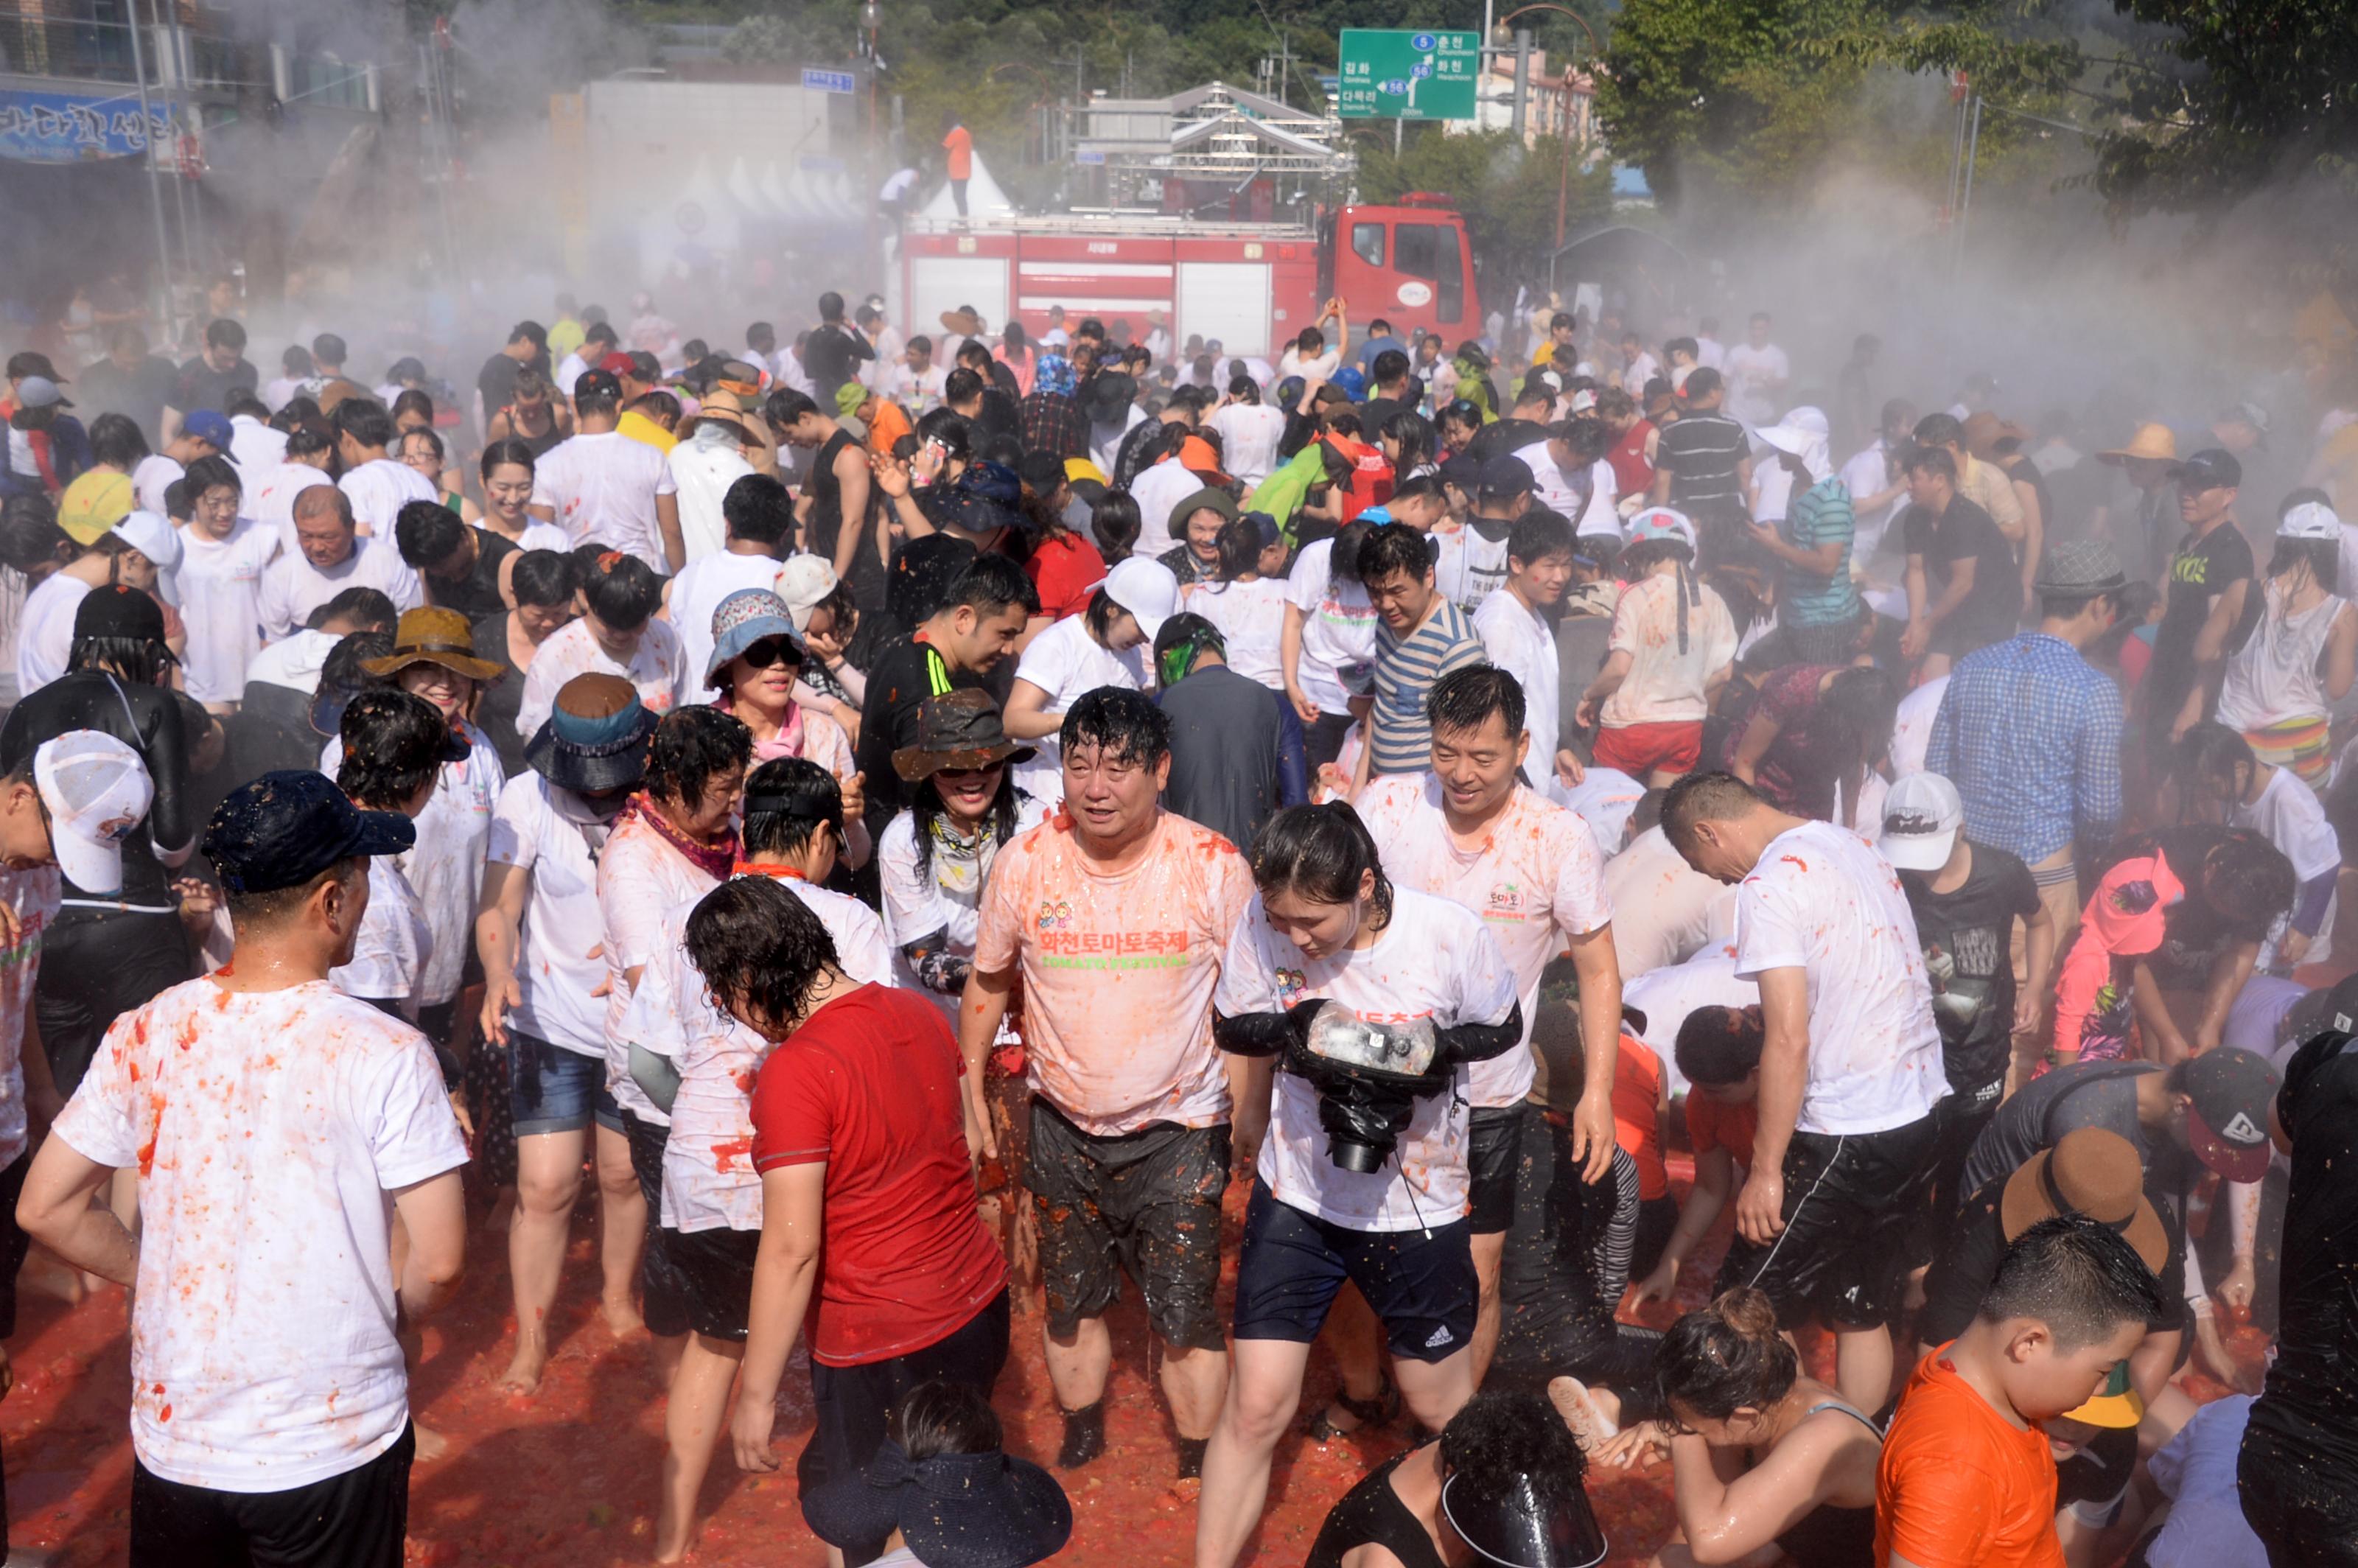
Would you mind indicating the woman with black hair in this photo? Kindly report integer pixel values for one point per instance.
(1377, 1001)
(112, 950)
(1501, 1484)
(935, 857)
(1810, 739)
(1105, 646)
(1115, 523)
(1245, 597)
(860, 1136)
(1734, 1397)
(617, 634)
(542, 584)
(1326, 650)
(220, 583)
(389, 757)
(673, 842)
(698, 1065)
(507, 471)
(1410, 445)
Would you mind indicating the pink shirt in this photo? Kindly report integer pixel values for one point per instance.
(1117, 971)
(2125, 919)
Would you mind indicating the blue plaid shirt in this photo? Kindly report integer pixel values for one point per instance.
(2030, 734)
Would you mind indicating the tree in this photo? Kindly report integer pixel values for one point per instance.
(1507, 195)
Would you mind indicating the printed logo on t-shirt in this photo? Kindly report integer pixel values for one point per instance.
(1054, 914)
(2135, 898)
(1291, 984)
(1507, 901)
(1062, 947)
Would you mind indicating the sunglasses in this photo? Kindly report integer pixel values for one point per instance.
(770, 652)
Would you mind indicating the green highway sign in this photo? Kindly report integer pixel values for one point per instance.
(1408, 74)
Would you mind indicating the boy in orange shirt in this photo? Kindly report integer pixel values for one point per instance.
(1719, 1051)
(1967, 1479)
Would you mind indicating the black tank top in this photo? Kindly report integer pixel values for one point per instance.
(1372, 1514)
(542, 444)
(867, 576)
(1829, 1536)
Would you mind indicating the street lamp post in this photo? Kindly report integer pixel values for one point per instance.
(1563, 164)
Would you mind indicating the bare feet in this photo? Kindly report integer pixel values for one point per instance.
(522, 1376)
(431, 1444)
(673, 1537)
(1583, 1412)
(623, 1318)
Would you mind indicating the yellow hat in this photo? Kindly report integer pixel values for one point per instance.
(2115, 1406)
(1081, 468)
(94, 504)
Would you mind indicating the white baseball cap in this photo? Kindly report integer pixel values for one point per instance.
(2309, 521)
(1922, 817)
(1147, 588)
(153, 536)
(96, 790)
(803, 581)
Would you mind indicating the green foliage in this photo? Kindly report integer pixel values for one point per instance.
(1507, 195)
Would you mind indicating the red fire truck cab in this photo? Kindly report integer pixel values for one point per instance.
(1252, 288)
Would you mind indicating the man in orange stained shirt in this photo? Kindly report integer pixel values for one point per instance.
(1967, 1479)
(958, 143)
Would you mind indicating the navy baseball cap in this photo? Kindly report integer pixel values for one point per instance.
(2210, 469)
(1502, 477)
(209, 426)
(286, 827)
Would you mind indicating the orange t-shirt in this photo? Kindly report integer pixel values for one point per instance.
(1711, 1125)
(1958, 1487)
(961, 144)
(889, 426)
(1636, 1119)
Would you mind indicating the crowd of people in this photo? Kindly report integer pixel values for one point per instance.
(906, 820)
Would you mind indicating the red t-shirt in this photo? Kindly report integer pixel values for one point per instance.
(869, 1085)
(1711, 1125)
(1062, 571)
(1636, 1119)
(1632, 472)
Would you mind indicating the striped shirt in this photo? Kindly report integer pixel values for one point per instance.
(1702, 451)
(1405, 670)
(1819, 515)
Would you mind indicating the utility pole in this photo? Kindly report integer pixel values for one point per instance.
(1522, 84)
(155, 191)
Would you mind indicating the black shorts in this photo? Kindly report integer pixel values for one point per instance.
(852, 1406)
(1145, 1204)
(714, 1271)
(1291, 1264)
(1493, 1150)
(1964, 1113)
(14, 1242)
(1657, 1217)
(2094, 1482)
(1957, 638)
(356, 1520)
(663, 1294)
(1851, 1206)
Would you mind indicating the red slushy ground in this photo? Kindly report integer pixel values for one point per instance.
(568, 1479)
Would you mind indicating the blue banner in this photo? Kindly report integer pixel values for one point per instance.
(68, 127)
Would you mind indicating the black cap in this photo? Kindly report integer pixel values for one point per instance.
(118, 610)
(2210, 469)
(1464, 471)
(597, 384)
(1503, 477)
(287, 828)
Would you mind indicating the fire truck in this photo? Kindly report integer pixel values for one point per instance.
(1250, 287)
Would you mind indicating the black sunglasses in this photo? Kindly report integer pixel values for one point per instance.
(771, 651)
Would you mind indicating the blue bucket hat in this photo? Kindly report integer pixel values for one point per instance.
(748, 616)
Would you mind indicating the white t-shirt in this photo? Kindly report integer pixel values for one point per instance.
(254, 447)
(1606, 799)
(446, 864)
(1666, 910)
(698, 591)
(268, 1129)
(702, 474)
(1250, 617)
(221, 603)
(1824, 900)
(270, 501)
(560, 957)
(1322, 365)
(32, 897)
(1863, 476)
(1250, 434)
(295, 663)
(292, 587)
(1066, 662)
(155, 474)
(1434, 960)
(655, 668)
(389, 951)
(1667, 996)
(1338, 629)
(1598, 513)
(641, 878)
(1911, 736)
(569, 369)
(603, 487)
(2290, 816)
(1751, 397)
(45, 630)
(919, 389)
(1467, 567)
(379, 489)
(1535, 880)
(1157, 490)
(1520, 643)
(941, 895)
(708, 1180)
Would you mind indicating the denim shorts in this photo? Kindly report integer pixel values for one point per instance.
(552, 1089)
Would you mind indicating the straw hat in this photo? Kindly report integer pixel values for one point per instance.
(434, 636)
(2155, 442)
